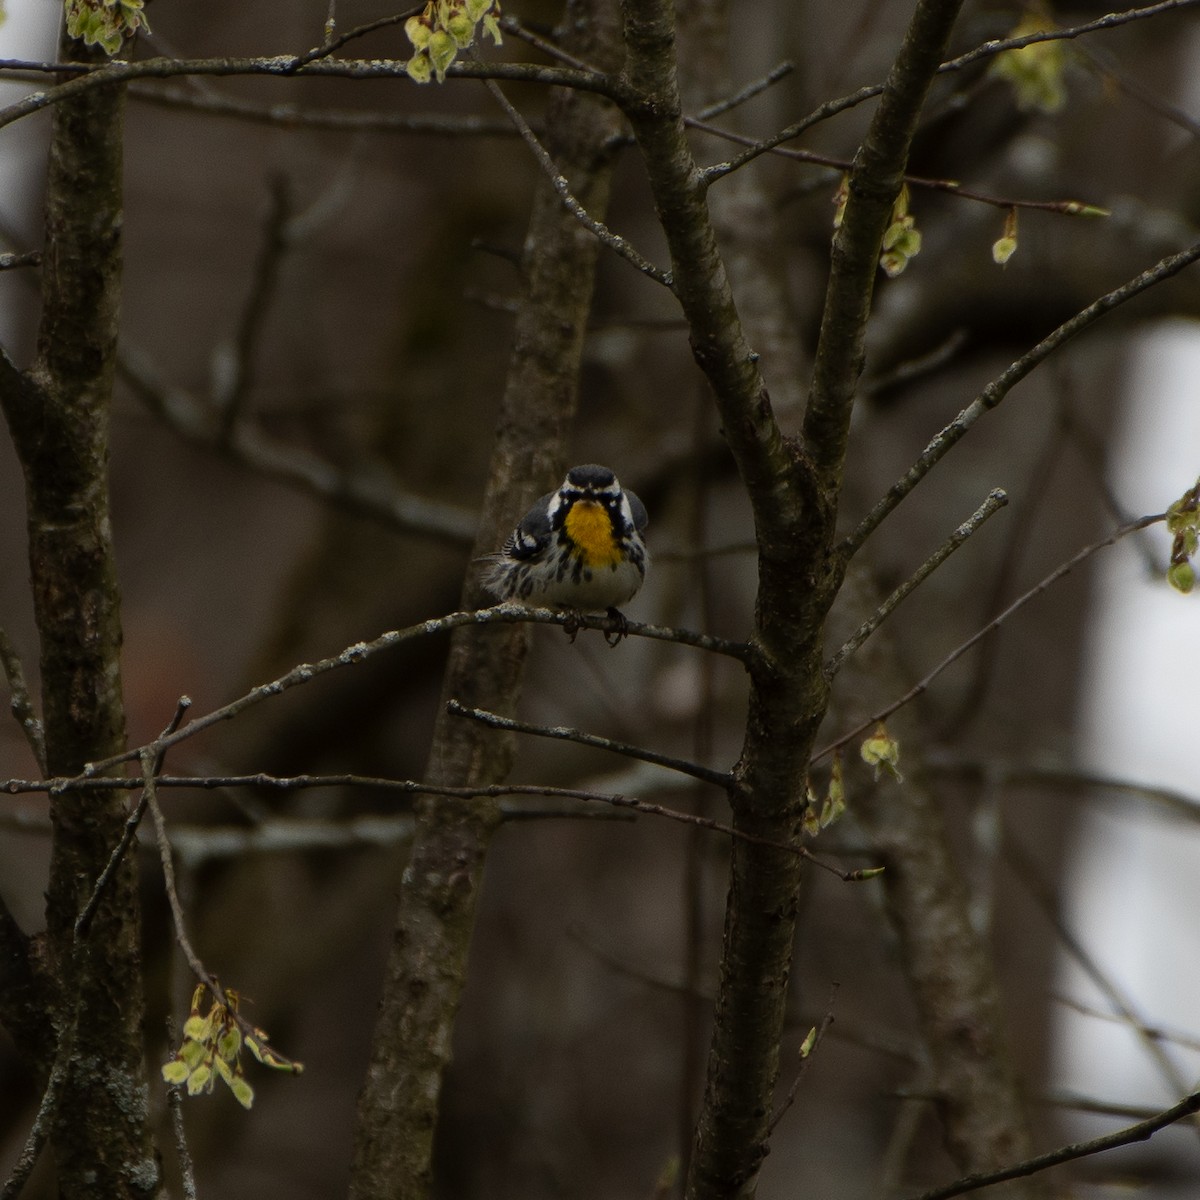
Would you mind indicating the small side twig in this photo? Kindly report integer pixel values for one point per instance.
(918, 688)
(1123, 1005)
(613, 241)
(545, 45)
(721, 779)
(198, 969)
(84, 920)
(718, 171)
(996, 391)
(335, 41)
(21, 703)
(1139, 1132)
(9, 262)
(366, 492)
(754, 88)
(150, 795)
(819, 1033)
(995, 501)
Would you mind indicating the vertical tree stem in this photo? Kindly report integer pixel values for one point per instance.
(59, 422)
(427, 967)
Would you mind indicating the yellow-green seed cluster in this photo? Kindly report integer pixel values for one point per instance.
(1034, 72)
(901, 239)
(1183, 523)
(212, 1049)
(105, 23)
(444, 28)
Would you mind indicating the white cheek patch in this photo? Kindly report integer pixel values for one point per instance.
(626, 512)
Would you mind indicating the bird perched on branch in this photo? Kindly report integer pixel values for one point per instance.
(581, 547)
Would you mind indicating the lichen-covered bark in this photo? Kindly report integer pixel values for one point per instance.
(58, 417)
(427, 965)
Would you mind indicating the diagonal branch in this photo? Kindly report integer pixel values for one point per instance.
(558, 181)
(1038, 588)
(1142, 1131)
(365, 492)
(999, 388)
(721, 779)
(995, 501)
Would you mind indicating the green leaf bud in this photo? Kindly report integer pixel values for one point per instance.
(1181, 576)
(242, 1091)
(175, 1071)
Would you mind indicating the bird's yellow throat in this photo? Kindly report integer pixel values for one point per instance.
(589, 527)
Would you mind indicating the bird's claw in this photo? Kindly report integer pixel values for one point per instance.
(621, 630)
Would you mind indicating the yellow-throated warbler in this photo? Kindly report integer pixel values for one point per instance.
(580, 547)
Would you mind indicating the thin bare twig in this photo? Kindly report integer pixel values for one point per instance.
(911, 370)
(83, 78)
(150, 795)
(376, 830)
(84, 919)
(987, 50)
(1185, 1041)
(545, 45)
(149, 760)
(332, 44)
(21, 702)
(197, 845)
(1064, 1154)
(918, 688)
(754, 88)
(819, 1032)
(721, 779)
(558, 181)
(970, 703)
(996, 391)
(369, 493)
(1108, 70)
(501, 614)
(1059, 775)
(1108, 21)
(296, 116)
(719, 170)
(1122, 1004)
(995, 501)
